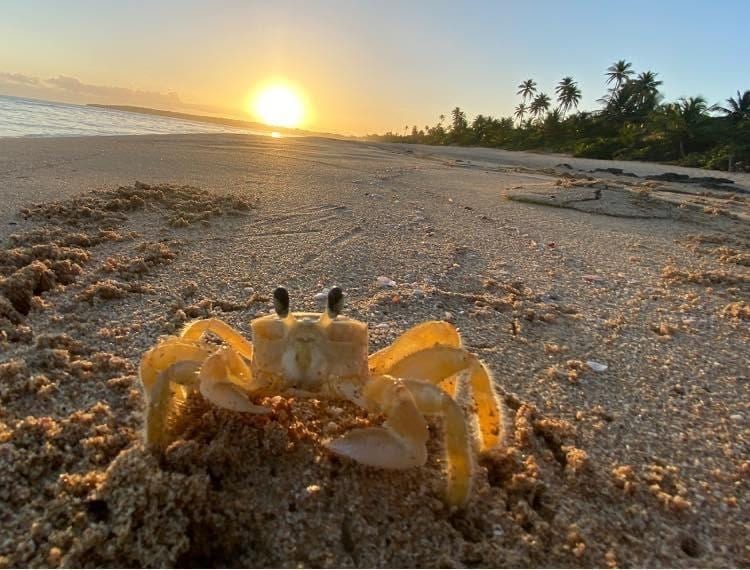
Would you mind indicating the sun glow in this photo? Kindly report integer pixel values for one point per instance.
(279, 105)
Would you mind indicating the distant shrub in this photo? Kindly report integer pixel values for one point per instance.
(597, 148)
(716, 158)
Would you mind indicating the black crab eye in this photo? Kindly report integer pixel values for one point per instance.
(281, 302)
(335, 301)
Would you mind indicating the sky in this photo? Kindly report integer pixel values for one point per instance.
(363, 66)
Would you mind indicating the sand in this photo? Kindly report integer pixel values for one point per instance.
(548, 269)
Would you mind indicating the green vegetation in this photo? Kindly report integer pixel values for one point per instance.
(634, 123)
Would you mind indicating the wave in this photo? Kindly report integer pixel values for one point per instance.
(20, 117)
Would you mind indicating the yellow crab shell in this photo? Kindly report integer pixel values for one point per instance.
(309, 351)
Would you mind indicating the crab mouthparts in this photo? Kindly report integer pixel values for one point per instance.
(304, 364)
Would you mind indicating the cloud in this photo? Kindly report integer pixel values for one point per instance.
(67, 89)
(121, 95)
(73, 90)
(19, 78)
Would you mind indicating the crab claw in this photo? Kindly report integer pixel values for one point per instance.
(400, 443)
(379, 447)
(226, 395)
(216, 385)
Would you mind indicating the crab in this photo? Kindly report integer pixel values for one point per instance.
(325, 356)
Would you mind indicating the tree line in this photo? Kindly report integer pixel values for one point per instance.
(633, 123)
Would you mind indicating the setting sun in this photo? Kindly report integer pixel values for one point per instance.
(279, 105)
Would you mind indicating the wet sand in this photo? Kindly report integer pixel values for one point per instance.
(548, 269)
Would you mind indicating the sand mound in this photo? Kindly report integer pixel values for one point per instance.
(252, 491)
(181, 206)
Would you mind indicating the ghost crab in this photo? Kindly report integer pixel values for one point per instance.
(325, 356)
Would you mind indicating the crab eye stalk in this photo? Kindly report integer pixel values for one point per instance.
(281, 302)
(335, 301)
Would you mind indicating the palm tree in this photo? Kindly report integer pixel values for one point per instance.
(539, 105)
(520, 111)
(737, 109)
(526, 89)
(606, 101)
(644, 92)
(442, 118)
(738, 112)
(693, 109)
(684, 118)
(647, 81)
(568, 94)
(459, 124)
(619, 72)
(552, 121)
(481, 126)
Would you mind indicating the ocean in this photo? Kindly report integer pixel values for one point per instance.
(21, 117)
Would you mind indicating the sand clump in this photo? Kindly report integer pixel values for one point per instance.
(737, 311)
(108, 289)
(730, 250)
(180, 205)
(701, 276)
(568, 180)
(731, 255)
(21, 290)
(149, 255)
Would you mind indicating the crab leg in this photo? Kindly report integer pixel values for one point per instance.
(431, 400)
(419, 337)
(400, 443)
(424, 335)
(224, 376)
(164, 398)
(164, 355)
(439, 363)
(165, 371)
(196, 329)
(225, 380)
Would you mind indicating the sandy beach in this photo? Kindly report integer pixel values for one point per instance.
(611, 305)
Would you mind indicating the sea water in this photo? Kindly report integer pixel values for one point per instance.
(21, 117)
